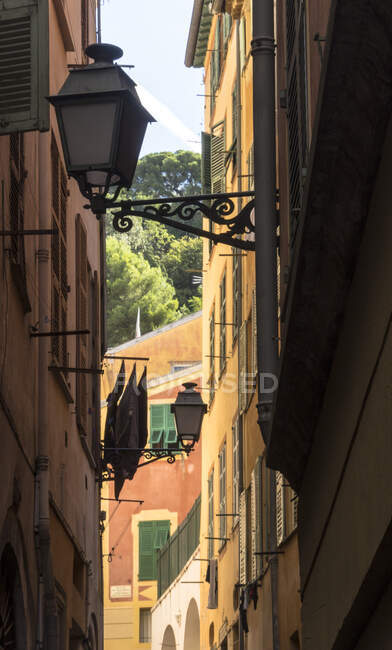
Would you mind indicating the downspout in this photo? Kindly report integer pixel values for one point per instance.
(240, 293)
(263, 52)
(47, 617)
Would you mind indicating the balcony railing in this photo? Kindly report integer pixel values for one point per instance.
(178, 549)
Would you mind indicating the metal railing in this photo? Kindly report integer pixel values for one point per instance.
(178, 549)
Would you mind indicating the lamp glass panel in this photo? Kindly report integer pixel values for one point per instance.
(89, 130)
(188, 421)
(99, 178)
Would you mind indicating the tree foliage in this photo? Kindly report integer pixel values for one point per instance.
(151, 266)
(167, 174)
(131, 284)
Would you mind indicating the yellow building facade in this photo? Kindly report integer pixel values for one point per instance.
(133, 532)
(235, 502)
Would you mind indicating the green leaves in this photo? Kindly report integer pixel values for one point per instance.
(133, 283)
(151, 266)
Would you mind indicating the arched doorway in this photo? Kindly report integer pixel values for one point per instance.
(12, 612)
(192, 627)
(169, 640)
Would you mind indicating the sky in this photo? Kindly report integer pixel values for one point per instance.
(153, 35)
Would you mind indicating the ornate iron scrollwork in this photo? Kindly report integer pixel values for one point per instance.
(151, 456)
(178, 212)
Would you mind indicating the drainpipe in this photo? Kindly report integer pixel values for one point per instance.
(239, 305)
(263, 52)
(47, 601)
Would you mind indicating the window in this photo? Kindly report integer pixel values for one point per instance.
(218, 146)
(236, 470)
(243, 362)
(59, 256)
(222, 325)
(236, 292)
(222, 493)
(297, 113)
(82, 303)
(16, 209)
(144, 625)
(24, 66)
(256, 520)
(280, 509)
(152, 536)
(211, 514)
(212, 355)
(162, 427)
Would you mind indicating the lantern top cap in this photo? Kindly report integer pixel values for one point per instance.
(104, 53)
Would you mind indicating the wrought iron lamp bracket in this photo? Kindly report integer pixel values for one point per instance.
(178, 212)
(151, 456)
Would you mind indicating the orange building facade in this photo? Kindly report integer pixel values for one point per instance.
(135, 531)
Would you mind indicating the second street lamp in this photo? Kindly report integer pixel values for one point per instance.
(102, 124)
(189, 410)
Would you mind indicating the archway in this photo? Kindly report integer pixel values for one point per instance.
(169, 640)
(192, 627)
(12, 611)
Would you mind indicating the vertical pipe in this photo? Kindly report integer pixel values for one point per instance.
(263, 52)
(239, 306)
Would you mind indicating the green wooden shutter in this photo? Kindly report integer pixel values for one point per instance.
(157, 424)
(146, 550)
(218, 158)
(170, 429)
(206, 162)
(161, 533)
(24, 65)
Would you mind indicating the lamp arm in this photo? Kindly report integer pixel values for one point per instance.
(176, 212)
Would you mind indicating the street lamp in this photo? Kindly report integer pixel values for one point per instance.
(188, 410)
(102, 125)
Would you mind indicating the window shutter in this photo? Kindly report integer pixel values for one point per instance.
(206, 162)
(81, 323)
(256, 519)
(157, 424)
(294, 503)
(218, 159)
(161, 533)
(243, 538)
(146, 540)
(24, 66)
(59, 255)
(254, 334)
(222, 319)
(212, 356)
(242, 42)
(211, 514)
(171, 441)
(236, 471)
(280, 514)
(243, 352)
(222, 492)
